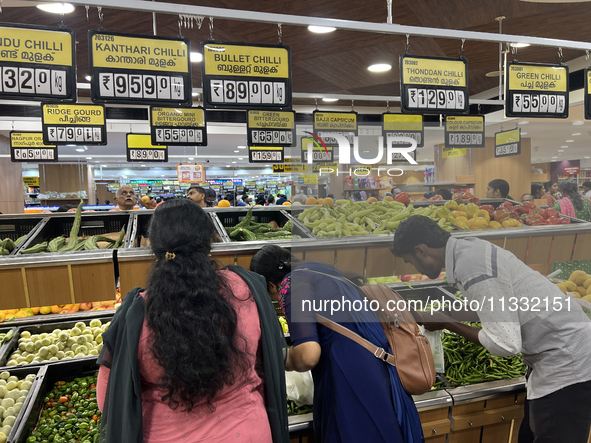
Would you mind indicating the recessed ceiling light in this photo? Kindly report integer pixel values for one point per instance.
(520, 45)
(364, 151)
(241, 147)
(492, 74)
(379, 67)
(88, 158)
(227, 166)
(267, 166)
(191, 158)
(321, 29)
(561, 150)
(524, 133)
(569, 141)
(587, 157)
(143, 166)
(330, 100)
(57, 8)
(240, 158)
(524, 122)
(196, 57)
(576, 133)
(578, 123)
(233, 162)
(88, 77)
(104, 166)
(564, 146)
(236, 151)
(554, 157)
(79, 149)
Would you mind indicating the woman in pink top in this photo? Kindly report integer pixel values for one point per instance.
(199, 344)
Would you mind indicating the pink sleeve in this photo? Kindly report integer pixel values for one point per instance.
(101, 386)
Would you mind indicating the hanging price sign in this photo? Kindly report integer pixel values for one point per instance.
(29, 146)
(246, 76)
(319, 153)
(588, 94)
(74, 124)
(276, 128)
(178, 126)
(536, 90)
(433, 85)
(139, 69)
(140, 149)
(190, 173)
(327, 124)
(464, 131)
(403, 125)
(265, 154)
(508, 143)
(37, 63)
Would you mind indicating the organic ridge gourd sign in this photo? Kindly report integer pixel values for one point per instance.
(37, 63)
(433, 85)
(246, 76)
(29, 146)
(139, 69)
(536, 90)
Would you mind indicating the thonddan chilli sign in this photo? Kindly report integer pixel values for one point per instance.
(37, 63)
(71, 124)
(139, 69)
(246, 76)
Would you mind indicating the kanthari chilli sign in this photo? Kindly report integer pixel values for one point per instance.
(190, 173)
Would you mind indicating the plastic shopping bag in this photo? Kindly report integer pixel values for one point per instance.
(436, 348)
(300, 387)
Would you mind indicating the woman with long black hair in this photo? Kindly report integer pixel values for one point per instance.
(179, 359)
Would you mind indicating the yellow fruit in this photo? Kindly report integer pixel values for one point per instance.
(589, 290)
(562, 287)
(372, 200)
(577, 295)
(286, 204)
(587, 282)
(55, 309)
(35, 311)
(389, 198)
(2, 317)
(329, 201)
(10, 311)
(224, 204)
(587, 297)
(45, 310)
(579, 277)
(570, 286)
(320, 201)
(311, 201)
(494, 225)
(582, 291)
(258, 205)
(21, 314)
(145, 199)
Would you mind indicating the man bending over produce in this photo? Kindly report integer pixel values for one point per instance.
(125, 198)
(521, 312)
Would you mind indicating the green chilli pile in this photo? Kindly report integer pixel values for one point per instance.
(73, 243)
(293, 409)
(247, 230)
(363, 218)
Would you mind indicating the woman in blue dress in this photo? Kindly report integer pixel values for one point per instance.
(357, 397)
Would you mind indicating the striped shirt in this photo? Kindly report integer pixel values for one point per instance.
(521, 311)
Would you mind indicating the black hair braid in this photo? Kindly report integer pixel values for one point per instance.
(570, 189)
(194, 324)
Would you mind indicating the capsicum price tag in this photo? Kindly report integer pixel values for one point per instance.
(178, 126)
(246, 76)
(536, 90)
(29, 146)
(139, 69)
(508, 143)
(265, 154)
(403, 125)
(37, 63)
(320, 154)
(464, 131)
(433, 85)
(74, 124)
(274, 128)
(327, 124)
(140, 149)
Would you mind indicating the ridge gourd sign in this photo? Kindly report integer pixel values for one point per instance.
(71, 124)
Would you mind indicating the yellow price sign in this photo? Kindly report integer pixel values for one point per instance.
(40, 46)
(402, 122)
(32, 182)
(433, 71)
(335, 121)
(177, 117)
(73, 114)
(544, 78)
(453, 152)
(246, 60)
(310, 179)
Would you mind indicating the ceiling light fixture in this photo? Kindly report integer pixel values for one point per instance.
(88, 78)
(569, 141)
(523, 122)
(330, 100)
(241, 147)
(519, 45)
(191, 158)
(88, 158)
(564, 146)
(80, 149)
(227, 166)
(143, 166)
(104, 166)
(321, 29)
(587, 157)
(57, 8)
(492, 74)
(576, 133)
(524, 133)
(233, 162)
(561, 150)
(236, 151)
(196, 57)
(578, 123)
(379, 67)
(240, 158)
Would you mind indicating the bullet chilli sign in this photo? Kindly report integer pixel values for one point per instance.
(139, 69)
(37, 63)
(245, 76)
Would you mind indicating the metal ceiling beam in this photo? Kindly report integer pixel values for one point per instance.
(348, 25)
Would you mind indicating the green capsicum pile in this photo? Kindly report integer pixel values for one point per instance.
(70, 413)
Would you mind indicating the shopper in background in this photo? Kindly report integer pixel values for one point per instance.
(395, 191)
(429, 194)
(67, 208)
(445, 194)
(234, 201)
(498, 188)
(587, 189)
(281, 199)
(356, 196)
(300, 199)
(210, 198)
(197, 194)
(125, 199)
(553, 190)
(537, 190)
(260, 200)
(527, 198)
(246, 199)
(554, 340)
(357, 397)
(178, 363)
(270, 200)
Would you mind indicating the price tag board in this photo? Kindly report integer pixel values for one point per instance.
(178, 126)
(275, 128)
(536, 90)
(289, 169)
(37, 63)
(246, 76)
(74, 124)
(319, 153)
(464, 131)
(140, 149)
(326, 124)
(32, 182)
(265, 154)
(453, 152)
(508, 143)
(324, 168)
(190, 173)
(588, 94)
(403, 125)
(433, 85)
(113, 187)
(29, 147)
(398, 158)
(139, 69)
